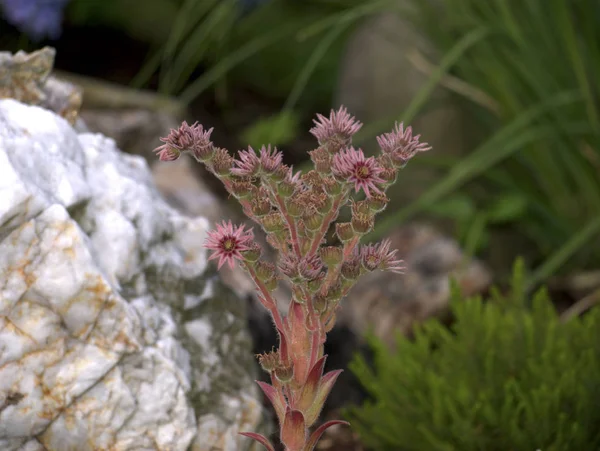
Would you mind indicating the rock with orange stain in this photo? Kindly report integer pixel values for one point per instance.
(112, 334)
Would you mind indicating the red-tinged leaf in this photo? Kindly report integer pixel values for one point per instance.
(293, 430)
(327, 383)
(284, 353)
(316, 435)
(276, 399)
(299, 340)
(260, 439)
(309, 391)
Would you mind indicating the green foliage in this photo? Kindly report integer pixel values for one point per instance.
(531, 79)
(277, 130)
(509, 375)
(151, 24)
(266, 49)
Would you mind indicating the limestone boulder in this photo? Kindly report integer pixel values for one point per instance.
(114, 332)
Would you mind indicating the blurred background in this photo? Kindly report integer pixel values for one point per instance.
(506, 92)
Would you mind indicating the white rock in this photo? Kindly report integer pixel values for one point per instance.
(96, 274)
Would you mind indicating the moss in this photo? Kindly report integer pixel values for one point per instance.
(508, 375)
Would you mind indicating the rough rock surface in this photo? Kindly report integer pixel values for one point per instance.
(113, 333)
(392, 303)
(26, 77)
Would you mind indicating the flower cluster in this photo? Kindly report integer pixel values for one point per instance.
(296, 210)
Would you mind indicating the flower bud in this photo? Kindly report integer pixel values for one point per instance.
(313, 179)
(310, 267)
(313, 221)
(260, 206)
(271, 283)
(334, 293)
(294, 207)
(284, 373)
(269, 360)
(332, 187)
(315, 284)
(321, 159)
(285, 189)
(377, 202)
(330, 323)
(222, 162)
(298, 294)
(279, 174)
(253, 254)
(331, 255)
(273, 222)
(319, 303)
(362, 223)
(389, 174)
(264, 270)
(351, 269)
(288, 265)
(360, 207)
(324, 204)
(242, 189)
(344, 231)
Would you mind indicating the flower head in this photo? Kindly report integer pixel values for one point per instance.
(248, 164)
(379, 256)
(400, 145)
(337, 130)
(270, 160)
(310, 267)
(351, 165)
(186, 138)
(288, 265)
(228, 242)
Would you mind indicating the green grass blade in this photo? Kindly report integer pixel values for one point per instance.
(310, 66)
(424, 94)
(559, 258)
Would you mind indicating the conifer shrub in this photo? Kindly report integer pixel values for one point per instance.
(508, 375)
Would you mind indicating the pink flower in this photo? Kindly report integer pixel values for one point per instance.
(270, 160)
(228, 242)
(351, 165)
(379, 256)
(310, 267)
(400, 145)
(248, 164)
(339, 128)
(192, 138)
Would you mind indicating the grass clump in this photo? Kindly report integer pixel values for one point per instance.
(508, 375)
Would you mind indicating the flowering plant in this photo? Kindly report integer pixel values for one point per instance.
(296, 210)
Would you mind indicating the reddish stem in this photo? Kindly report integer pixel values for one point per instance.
(271, 303)
(288, 219)
(326, 223)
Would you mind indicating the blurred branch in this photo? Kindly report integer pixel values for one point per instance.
(581, 306)
(102, 94)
